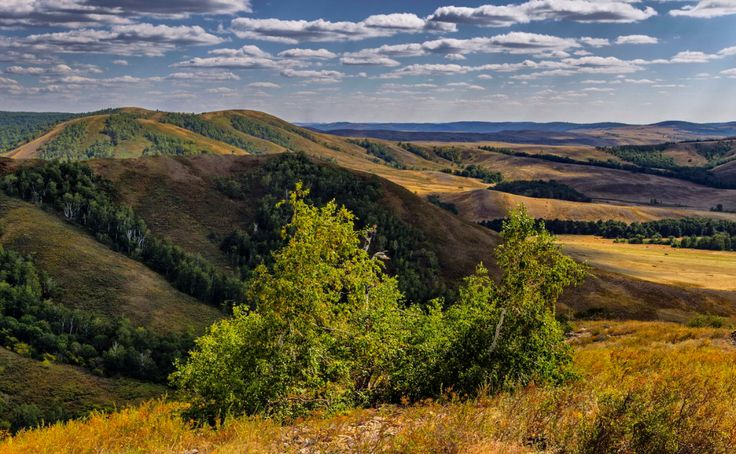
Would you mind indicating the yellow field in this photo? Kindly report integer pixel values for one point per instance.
(655, 263)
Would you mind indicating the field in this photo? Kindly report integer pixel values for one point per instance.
(641, 386)
(482, 204)
(713, 270)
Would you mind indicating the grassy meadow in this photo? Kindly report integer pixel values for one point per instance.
(641, 387)
(662, 264)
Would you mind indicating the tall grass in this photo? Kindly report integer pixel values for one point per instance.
(644, 387)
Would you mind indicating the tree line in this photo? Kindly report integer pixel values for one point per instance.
(33, 325)
(476, 171)
(72, 190)
(378, 150)
(541, 189)
(698, 175)
(697, 233)
(201, 126)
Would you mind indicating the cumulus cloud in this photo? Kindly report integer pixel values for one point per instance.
(729, 73)
(120, 62)
(203, 75)
(53, 69)
(320, 30)
(307, 53)
(264, 85)
(78, 13)
(455, 49)
(133, 39)
(595, 42)
(605, 11)
(636, 39)
(707, 9)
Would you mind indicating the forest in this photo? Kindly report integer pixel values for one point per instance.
(378, 150)
(412, 257)
(196, 123)
(476, 171)
(17, 128)
(541, 189)
(73, 191)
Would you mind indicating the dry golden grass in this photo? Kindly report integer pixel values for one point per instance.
(656, 263)
(648, 387)
(482, 204)
(610, 185)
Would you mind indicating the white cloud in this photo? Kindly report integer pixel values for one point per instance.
(606, 11)
(707, 9)
(133, 39)
(455, 49)
(320, 30)
(595, 42)
(729, 73)
(692, 57)
(264, 85)
(203, 75)
(80, 13)
(636, 39)
(120, 62)
(220, 91)
(307, 53)
(369, 60)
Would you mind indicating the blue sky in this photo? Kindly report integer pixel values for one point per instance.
(308, 60)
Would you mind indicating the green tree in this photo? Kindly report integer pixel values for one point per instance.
(324, 334)
(496, 335)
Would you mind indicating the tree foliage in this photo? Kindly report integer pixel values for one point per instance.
(81, 197)
(542, 189)
(31, 324)
(329, 329)
(17, 128)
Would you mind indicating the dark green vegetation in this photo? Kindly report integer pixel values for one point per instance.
(162, 144)
(435, 200)
(542, 189)
(411, 255)
(32, 325)
(415, 149)
(77, 142)
(121, 127)
(378, 150)
(476, 171)
(17, 128)
(72, 190)
(698, 175)
(211, 129)
(330, 330)
(643, 155)
(260, 130)
(696, 233)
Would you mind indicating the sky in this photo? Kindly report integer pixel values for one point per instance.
(634, 61)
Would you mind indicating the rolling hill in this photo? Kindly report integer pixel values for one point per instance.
(199, 182)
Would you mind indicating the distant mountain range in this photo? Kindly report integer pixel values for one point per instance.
(553, 133)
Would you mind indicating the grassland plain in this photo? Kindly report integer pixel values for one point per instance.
(656, 263)
(641, 387)
(482, 204)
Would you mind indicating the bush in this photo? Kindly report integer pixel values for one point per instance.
(329, 331)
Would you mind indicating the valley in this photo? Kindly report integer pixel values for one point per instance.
(203, 192)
